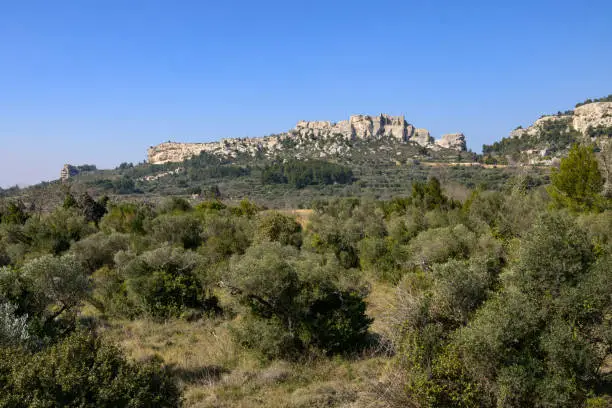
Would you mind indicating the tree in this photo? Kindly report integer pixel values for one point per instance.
(296, 301)
(578, 182)
(56, 286)
(93, 211)
(182, 229)
(542, 340)
(14, 213)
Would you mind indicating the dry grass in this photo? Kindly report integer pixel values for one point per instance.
(302, 216)
(381, 302)
(215, 372)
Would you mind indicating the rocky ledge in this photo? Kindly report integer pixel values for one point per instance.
(592, 115)
(358, 127)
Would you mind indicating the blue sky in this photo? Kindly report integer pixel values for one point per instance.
(99, 81)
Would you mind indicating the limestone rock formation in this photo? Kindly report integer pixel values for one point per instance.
(539, 125)
(358, 127)
(518, 133)
(310, 135)
(592, 115)
(422, 137)
(455, 141)
(551, 136)
(68, 171)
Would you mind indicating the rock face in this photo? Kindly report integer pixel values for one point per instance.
(539, 125)
(592, 115)
(68, 171)
(551, 136)
(455, 141)
(358, 127)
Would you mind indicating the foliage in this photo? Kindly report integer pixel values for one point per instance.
(126, 218)
(539, 342)
(13, 212)
(303, 173)
(602, 99)
(160, 283)
(299, 296)
(429, 195)
(577, 183)
(98, 250)
(274, 226)
(82, 371)
(496, 300)
(13, 328)
(181, 229)
(599, 132)
(553, 135)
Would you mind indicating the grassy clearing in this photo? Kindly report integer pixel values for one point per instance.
(215, 372)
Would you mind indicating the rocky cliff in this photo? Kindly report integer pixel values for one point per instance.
(327, 137)
(550, 136)
(590, 116)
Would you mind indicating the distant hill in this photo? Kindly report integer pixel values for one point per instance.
(378, 156)
(551, 136)
(317, 139)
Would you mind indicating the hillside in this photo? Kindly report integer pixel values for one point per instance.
(551, 136)
(377, 156)
(317, 139)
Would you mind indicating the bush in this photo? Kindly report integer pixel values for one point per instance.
(99, 249)
(540, 341)
(296, 302)
(181, 229)
(274, 226)
(82, 371)
(441, 244)
(48, 290)
(126, 218)
(163, 283)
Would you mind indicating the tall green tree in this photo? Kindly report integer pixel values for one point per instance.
(577, 183)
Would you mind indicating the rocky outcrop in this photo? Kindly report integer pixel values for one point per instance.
(68, 171)
(176, 152)
(455, 141)
(358, 127)
(539, 125)
(311, 134)
(592, 115)
(596, 114)
(422, 137)
(551, 136)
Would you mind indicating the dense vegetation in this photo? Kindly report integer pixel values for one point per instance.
(500, 299)
(553, 136)
(300, 174)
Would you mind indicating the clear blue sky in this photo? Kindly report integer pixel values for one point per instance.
(98, 81)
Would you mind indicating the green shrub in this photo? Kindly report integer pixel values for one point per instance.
(297, 302)
(163, 282)
(82, 371)
(274, 226)
(179, 229)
